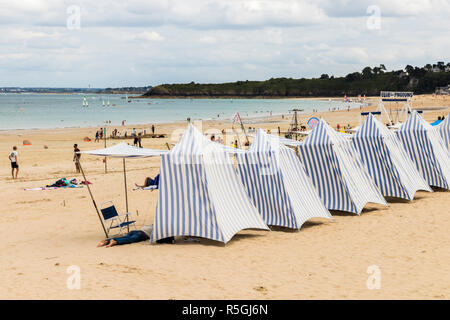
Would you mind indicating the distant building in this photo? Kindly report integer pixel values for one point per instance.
(443, 90)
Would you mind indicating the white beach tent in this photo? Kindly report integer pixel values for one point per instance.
(277, 184)
(200, 193)
(426, 149)
(336, 170)
(444, 130)
(387, 163)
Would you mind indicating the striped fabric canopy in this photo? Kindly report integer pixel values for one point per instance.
(387, 162)
(336, 170)
(200, 193)
(444, 130)
(426, 149)
(277, 183)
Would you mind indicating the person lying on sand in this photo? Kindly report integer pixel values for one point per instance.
(132, 237)
(149, 182)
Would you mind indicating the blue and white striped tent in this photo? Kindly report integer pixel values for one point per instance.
(386, 160)
(444, 130)
(336, 170)
(200, 193)
(277, 183)
(426, 149)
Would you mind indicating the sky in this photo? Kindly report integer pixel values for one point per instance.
(50, 43)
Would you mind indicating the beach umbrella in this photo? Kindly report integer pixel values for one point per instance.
(124, 151)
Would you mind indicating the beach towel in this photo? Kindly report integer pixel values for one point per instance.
(146, 188)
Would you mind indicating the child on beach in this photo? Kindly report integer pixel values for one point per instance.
(13, 157)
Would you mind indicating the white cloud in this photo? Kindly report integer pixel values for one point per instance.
(164, 41)
(149, 36)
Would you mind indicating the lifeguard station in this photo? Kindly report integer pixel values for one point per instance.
(399, 114)
(396, 114)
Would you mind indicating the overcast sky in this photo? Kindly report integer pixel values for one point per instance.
(148, 42)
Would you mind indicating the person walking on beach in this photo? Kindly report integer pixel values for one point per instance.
(97, 137)
(13, 157)
(76, 157)
(153, 129)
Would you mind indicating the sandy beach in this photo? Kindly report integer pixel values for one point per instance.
(46, 232)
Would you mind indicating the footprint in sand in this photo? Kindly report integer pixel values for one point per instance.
(261, 289)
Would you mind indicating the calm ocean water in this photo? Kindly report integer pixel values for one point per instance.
(29, 111)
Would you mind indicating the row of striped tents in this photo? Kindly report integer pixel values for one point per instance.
(277, 184)
(426, 149)
(444, 130)
(200, 193)
(387, 162)
(336, 170)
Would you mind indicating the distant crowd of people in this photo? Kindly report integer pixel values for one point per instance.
(116, 134)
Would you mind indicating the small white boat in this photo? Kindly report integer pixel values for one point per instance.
(85, 102)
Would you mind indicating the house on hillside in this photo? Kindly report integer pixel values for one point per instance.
(443, 90)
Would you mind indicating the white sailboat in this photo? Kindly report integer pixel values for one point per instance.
(85, 102)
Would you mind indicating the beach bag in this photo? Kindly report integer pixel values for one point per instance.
(170, 240)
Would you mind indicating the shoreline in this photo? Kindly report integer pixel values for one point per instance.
(332, 98)
(48, 231)
(251, 119)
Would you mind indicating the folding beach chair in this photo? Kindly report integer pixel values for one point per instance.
(115, 220)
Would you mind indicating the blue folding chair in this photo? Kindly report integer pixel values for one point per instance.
(115, 220)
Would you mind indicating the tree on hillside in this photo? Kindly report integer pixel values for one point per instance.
(410, 70)
(367, 72)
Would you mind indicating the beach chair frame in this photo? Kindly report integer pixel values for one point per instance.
(115, 220)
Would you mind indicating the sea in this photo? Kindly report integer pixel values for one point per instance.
(44, 111)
